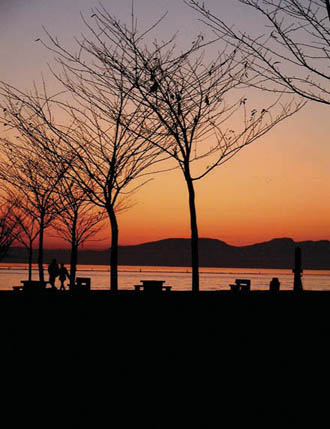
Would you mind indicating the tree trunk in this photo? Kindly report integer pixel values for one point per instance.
(297, 284)
(30, 260)
(74, 253)
(41, 248)
(194, 234)
(114, 250)
(73, 264)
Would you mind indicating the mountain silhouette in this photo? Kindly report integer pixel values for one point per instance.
(276, 253)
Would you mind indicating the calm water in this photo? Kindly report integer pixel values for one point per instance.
(177, 277)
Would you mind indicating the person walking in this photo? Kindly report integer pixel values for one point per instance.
(53, 271)
(63, 274)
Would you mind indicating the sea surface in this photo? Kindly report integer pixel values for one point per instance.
(177, 277)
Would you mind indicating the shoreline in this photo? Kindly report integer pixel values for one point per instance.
(173, 292)
(240, 357)
(283, 306)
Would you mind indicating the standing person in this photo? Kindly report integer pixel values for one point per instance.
(53, 271)
(63, 274)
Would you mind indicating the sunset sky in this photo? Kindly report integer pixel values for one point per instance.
(277, 187)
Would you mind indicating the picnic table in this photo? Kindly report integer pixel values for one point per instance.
(152, 286)
(241, 285)
(31, 286)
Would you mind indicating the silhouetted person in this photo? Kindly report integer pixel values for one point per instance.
(63, 274)
(53, 271)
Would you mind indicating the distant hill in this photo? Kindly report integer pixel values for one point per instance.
(277, 253)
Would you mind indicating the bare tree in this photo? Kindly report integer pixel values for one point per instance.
(26, 167)
(111, 159)
(9, 227)
(27, 219)
(78, 221)
(189, 104)
(101, 145)
(294, 53)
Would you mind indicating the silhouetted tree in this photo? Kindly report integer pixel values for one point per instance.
(187, 101)
(294, 53)
(111, 159)
(26, 167)
(27, 219)
(79, 220)
(9, 227)
(100, 144)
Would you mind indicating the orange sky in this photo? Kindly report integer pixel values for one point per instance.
(277, 187)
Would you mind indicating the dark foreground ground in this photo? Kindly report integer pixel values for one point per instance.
(132, 360)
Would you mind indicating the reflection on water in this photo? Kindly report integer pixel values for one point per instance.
(177, 277)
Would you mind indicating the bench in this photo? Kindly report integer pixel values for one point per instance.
(31, 286)
(241, 285)
(152, 286)
(142, 287)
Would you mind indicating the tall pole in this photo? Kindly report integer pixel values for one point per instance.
(297, 283)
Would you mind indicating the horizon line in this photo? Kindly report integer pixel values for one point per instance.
(175, 238)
